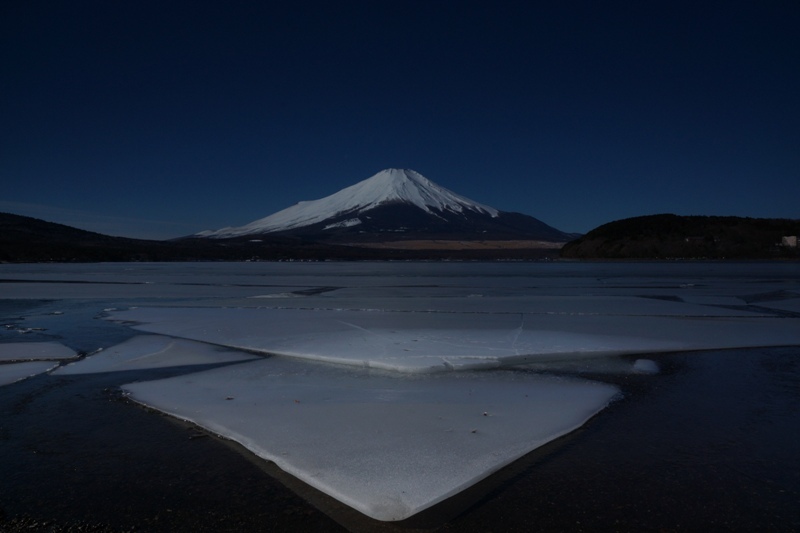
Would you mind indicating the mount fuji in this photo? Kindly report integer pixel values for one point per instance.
(395, 205)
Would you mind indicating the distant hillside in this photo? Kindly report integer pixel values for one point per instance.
(672, 236)
(30, 240)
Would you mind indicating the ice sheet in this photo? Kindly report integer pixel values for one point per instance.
(153, 351)
(791, 306)
(387, 445)
(414, 319)
(698, 281)
(34, 351)
(414, 300)
(431, 341)
(13, 372)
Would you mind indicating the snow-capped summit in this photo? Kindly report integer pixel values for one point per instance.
(392, 185)
(409, 186)
(394, 203)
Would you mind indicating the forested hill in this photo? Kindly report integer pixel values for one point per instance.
(672, 236)
(27, 239)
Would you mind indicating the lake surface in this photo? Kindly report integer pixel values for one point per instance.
(709, 442)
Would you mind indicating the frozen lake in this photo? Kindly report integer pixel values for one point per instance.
(438, 395)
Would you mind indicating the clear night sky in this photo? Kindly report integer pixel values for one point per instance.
(162, 118)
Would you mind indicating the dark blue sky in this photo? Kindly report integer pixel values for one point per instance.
(162, 118)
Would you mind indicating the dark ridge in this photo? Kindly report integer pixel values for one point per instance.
(670, 236)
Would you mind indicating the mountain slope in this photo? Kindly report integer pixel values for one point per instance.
(395, 204)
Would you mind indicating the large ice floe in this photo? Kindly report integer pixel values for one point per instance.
(153, 351)
(392, 410)
(386, 445)
(440, 341)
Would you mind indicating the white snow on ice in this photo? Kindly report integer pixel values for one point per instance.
(153, 351)
(387, 446)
